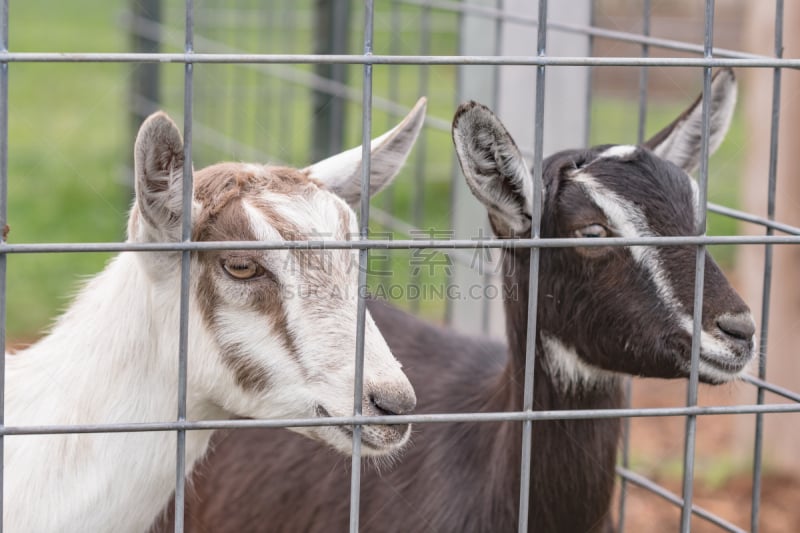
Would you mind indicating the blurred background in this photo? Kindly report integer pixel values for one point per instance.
(72, 125)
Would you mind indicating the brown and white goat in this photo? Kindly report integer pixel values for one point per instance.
(257, 348)
(603, 312)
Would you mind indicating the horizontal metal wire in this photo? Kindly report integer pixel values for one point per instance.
(514, 416)
(775, 389)
(377, 59)
(614, 35)
(401, 244)
(657, 489)
(165, 34)
(747, 217)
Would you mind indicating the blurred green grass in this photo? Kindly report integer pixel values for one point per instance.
(70, 143)
(66, 128)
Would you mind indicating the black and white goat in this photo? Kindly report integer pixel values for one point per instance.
(603, 312)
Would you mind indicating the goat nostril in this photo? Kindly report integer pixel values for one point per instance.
(739, 327)
(392, 404)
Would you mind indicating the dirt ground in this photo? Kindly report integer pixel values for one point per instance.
(723, 480)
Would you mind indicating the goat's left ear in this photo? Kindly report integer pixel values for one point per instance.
(341, 173)
(158, 162)
(494, 168)
(680, 142)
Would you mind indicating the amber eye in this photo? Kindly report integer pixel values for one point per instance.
(592, 231)
(242, 268)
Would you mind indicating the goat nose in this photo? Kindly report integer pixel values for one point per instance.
(740, 327)
(393, 402)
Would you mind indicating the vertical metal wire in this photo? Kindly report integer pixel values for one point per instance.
(533, 290)
(394, 96)
(418, 209)
(286, 111)
(3, 222)
(186, 235)
(691, 396)
(498, 48)
(587, 125)
(767, 286)
(363, 262)
(643, 74)
(626, 422)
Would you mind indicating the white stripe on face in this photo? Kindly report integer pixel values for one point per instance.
(627, 220)
(620, 151)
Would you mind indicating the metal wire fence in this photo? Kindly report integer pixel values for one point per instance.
(258, 87)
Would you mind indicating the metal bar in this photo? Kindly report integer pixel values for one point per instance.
(186, 235)
(503, 416)
(303, 77)
(386, 216)
(495, 104)
(697, 313)
(533, 280)
(657, 489)
(3, 231)
(767, 285)
(587, 141)
(640, 135)
(423, 86)
(331, 20)
(590, 30)
(377, 59)
(771, 387)
(363, 262)
(400, 244)
(747, 217)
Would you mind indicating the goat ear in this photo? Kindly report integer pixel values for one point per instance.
(494, 168)
(680, 142)
(341, 173)
(158, 162)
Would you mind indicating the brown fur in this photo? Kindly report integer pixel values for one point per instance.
(220, 189)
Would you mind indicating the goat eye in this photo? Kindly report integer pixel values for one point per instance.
(242, 268)
(592, 231)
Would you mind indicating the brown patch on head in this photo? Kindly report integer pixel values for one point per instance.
(216, 187)
(220, 190)
(6, 229)
(249, 375)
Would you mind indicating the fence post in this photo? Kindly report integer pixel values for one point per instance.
(331, 33)
(510, 91)
(145, 95)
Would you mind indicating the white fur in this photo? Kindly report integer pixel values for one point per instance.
(487, 153)
(342, 173)
(627, 220)
(619, 151)
(113, 358)
(100, 366)
(680, 146)
(568, 369)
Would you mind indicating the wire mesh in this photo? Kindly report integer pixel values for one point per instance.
(270, 68)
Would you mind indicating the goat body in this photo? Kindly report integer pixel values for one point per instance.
(112, 357)
(602, 312)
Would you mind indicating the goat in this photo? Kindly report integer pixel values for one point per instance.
(603, 312)
(256, 349)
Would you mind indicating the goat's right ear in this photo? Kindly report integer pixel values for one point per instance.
(341, 173)
(680, 142)
(494, 168)
(158, 161)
